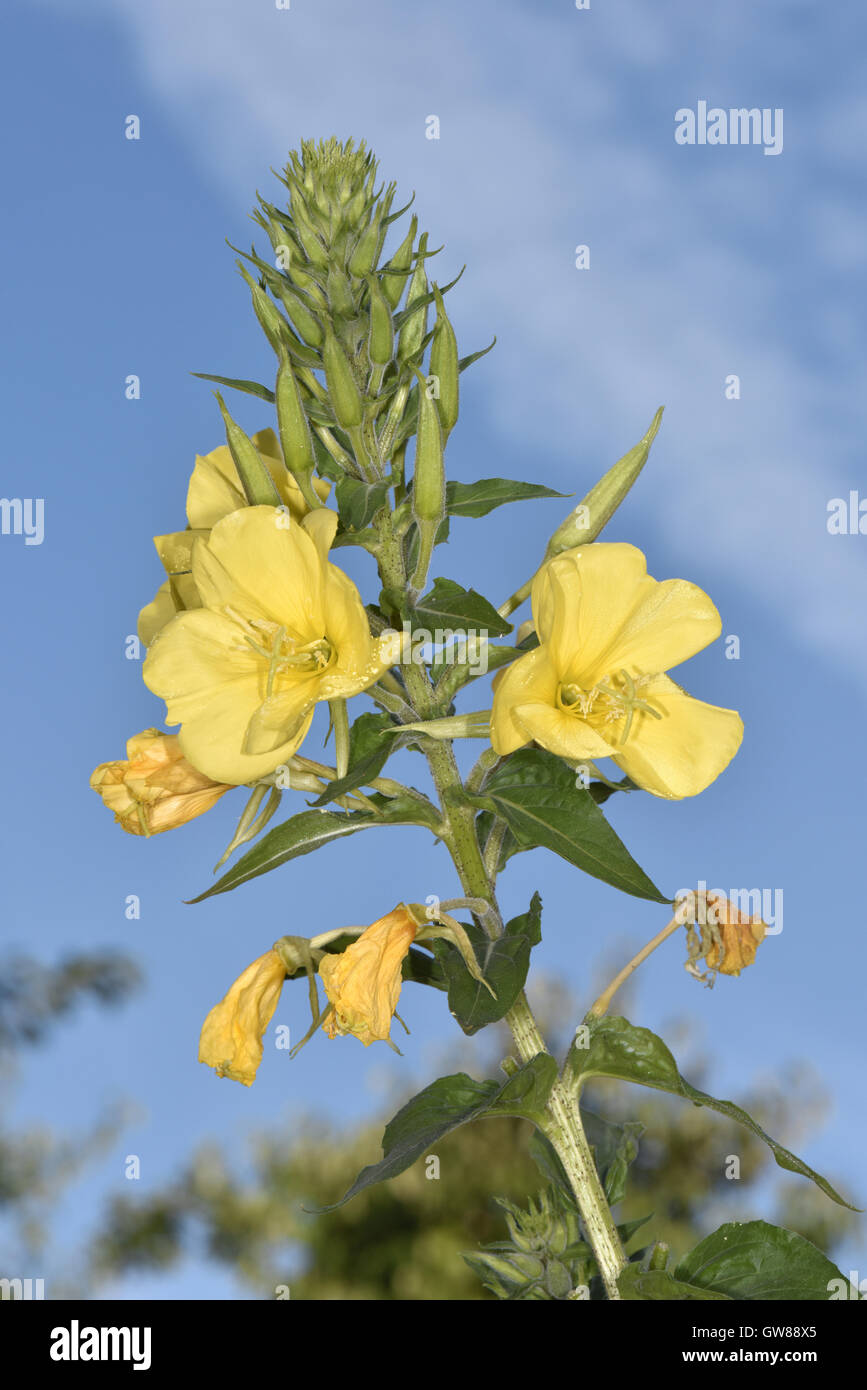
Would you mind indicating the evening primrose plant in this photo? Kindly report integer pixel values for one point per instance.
(256, 625)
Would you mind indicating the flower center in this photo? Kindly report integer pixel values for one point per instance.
(285, 655)
(613, 698)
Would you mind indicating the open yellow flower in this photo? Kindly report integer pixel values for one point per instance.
(280, 628)
(363, 982)
(155, 788)
(231, 1040)
(214, 491)
(596, 687)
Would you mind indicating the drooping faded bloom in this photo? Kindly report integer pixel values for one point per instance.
(363, 982)
(214, 491)
(596, 686)
(155, 788)
(231, 1039)
(280, 628)
(735, 938)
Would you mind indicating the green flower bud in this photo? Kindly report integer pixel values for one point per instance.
(396, 272)
(429, 481)
(558, 1280)
(303, 319)
(380, 342)
(344, 393)
(340, 294)
(256, 481)
(413, 328)
(295, 439)
(444, 366)
(266, 311)
(367, 249)
(586, 521)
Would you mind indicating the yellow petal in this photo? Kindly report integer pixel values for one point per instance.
(154, 616)
(565, 734)
(363, 982)
(530, 680)
(265, 565)
(602, 612)
(684, 751)
(231, 1040)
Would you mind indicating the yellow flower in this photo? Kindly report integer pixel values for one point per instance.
(739, 937)
(280, 628)
(363, 983)
(231, 1040)
(214, 491)
(595, 686)
(155, 788)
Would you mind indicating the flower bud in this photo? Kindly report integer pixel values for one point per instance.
(395, 274)
(295, 439)
(154, 788)
(342, 389)
(302, 318)
(380, 342)
(413, 328)
(444, 366)
(584, 523)
(259, 487)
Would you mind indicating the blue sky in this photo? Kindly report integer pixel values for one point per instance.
(556, 129)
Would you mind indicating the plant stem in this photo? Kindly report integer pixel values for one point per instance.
(602, 1003)
(564, 1128)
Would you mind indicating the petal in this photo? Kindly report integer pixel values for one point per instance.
(605, 613)
(156, 614)
(531, 679)
(280, 717)
(214, 489)
(321, 527)
(231, 1039)
(567, 735)
(257, 563)
(684, 751)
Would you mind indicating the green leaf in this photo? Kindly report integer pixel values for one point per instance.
(753, 1260)
(504, 964)
(536, 794)
(369, 748)
(310, 830)
(526, 1093)
(615, 1147)
(252, 388)
(474, 357)
(443, 1106)
(449, 606)
(618, 1049)
(657, 1285)
(358, 502)
(477, 499)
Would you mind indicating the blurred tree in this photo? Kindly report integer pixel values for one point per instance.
(36, 1165)
(402, 1240)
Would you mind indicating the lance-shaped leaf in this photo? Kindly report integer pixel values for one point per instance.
(754, 1260)
(312, 829)
(446, 1104)
(536, 794)
(369, 748)
(616, 1048)
(503, 962)
(250, 388)
(479, 498)
(448, 606)
(358, 502)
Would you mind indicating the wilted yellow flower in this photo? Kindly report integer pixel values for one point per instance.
(214, 491)
(155, 788)
(363, 982)
(231, 1040)
(736, 938)
(280, 628)
(595, 686)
